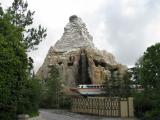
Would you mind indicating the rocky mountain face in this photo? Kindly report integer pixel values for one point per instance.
(78, 60)
(75, 36)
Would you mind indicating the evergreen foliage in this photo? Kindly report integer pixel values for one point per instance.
(30, 101)
(150, 72)
(53, 95)
(18, 92)
(118, 86)
(147, 103)
(19, 16)
(53, 88)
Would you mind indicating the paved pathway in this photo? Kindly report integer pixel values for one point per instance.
(66, 115)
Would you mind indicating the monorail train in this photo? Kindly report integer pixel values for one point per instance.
(89, 89)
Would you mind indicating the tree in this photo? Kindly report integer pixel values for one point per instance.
(148, 75)
(53, 92)
(30, 101)
(16, 37)
(150, 72)
(146, 71)
(13, 62)
(118, 86)
(19, 15)
(52, 89)
(113, 84)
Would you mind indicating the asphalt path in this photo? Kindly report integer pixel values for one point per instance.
(66, 115)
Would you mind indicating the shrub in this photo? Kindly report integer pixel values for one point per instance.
(147, 105)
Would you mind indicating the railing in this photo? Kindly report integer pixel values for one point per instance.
(104, 106)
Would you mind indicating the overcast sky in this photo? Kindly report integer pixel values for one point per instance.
(123, 27)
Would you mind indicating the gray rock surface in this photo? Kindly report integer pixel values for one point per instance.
(75, 36)
(66, 54)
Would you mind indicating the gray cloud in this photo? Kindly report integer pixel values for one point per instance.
(127, 32)
(123, 27)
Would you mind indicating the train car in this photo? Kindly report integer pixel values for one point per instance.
(89, 89)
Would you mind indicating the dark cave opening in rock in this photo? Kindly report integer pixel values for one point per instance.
(101, 63)
(70, 64)
(60, 63)
(83, 77)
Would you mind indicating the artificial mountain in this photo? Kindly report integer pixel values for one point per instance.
(78, 60)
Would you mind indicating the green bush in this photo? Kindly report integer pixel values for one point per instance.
(153, 114)
(31, 98)
(65, 102)
(147, 105)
